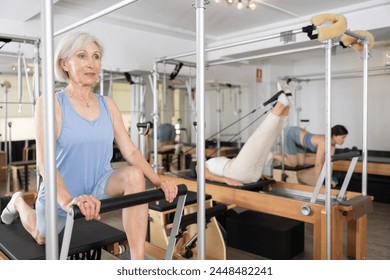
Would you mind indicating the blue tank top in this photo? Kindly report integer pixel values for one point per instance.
(84, 148)
(307, 142)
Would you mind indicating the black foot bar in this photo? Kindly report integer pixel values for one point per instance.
(112, 204)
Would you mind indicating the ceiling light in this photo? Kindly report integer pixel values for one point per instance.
(250, 4)
(240, 5)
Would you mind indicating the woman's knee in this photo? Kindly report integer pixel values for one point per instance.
(133, 179)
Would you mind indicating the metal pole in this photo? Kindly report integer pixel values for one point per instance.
(36, 72)
(155, 118)
(328, 56)
(49, 131)
(200, 151)
(237, 103)
(365, 116)
(141, 116)
(219, 112)
(19, 39)
(274, 36)
(7, 177)
(263, 55)
(95, 16)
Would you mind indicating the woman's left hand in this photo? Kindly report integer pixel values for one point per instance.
(170, 190)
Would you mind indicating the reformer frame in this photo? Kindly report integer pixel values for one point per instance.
(112, 204)
(351, 211)
(199, 5)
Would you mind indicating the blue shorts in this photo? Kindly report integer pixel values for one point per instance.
(292, 145)
(100, 192)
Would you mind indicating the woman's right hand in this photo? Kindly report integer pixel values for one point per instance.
(89, 206)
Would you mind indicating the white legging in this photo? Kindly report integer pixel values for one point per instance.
(248, 165)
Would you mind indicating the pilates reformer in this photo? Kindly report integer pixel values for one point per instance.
(299, 202)
(160, 223)
(85, 239)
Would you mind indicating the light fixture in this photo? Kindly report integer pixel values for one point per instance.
(250, 4)
(240, 5)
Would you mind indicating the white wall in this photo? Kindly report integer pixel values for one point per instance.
(128, 49)
(347, 99)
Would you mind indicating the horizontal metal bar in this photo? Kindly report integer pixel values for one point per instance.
(95, 16)
(264, 38)
(356, 35)
(19, 39)
(264, 55)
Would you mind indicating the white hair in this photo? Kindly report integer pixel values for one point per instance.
(68, 46)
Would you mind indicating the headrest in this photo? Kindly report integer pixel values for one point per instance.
(336, 29)
(355, 43)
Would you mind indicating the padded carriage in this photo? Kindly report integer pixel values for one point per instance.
(88, 239)
(80, 236)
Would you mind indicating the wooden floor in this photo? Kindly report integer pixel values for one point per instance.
(378, 233)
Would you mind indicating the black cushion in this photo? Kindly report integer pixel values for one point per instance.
(294, 168)
(17, 244)
(270, 236)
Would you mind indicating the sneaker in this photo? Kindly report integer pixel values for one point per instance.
(284, 99)
(9, 214)
(286, 88)
(273, 98)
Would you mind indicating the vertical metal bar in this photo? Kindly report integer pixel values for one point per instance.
(347, 178)
(49, 131)
(219, 112)
(7, 175)
(155, 117)
(101, 77)
(328, 72)
(200, 151)
(66, 239)
(238, 113)
(36, 93)
(318, 185)
(134, 109)
(365, 116)
(20, 84)
(141, 118)
(175, 226)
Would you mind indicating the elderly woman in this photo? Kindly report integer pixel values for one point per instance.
(86, 125)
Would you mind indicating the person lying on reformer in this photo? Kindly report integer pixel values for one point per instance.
(247, 166)
(297, 139)
(86, 125)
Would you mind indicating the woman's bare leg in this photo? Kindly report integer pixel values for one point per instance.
(125, 181)
(28, 219)
(17, 206)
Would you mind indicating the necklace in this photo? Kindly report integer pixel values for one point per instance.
(87, 103)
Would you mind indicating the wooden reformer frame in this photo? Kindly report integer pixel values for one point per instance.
(353, 212)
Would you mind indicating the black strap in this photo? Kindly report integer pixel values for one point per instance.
(309, 30)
